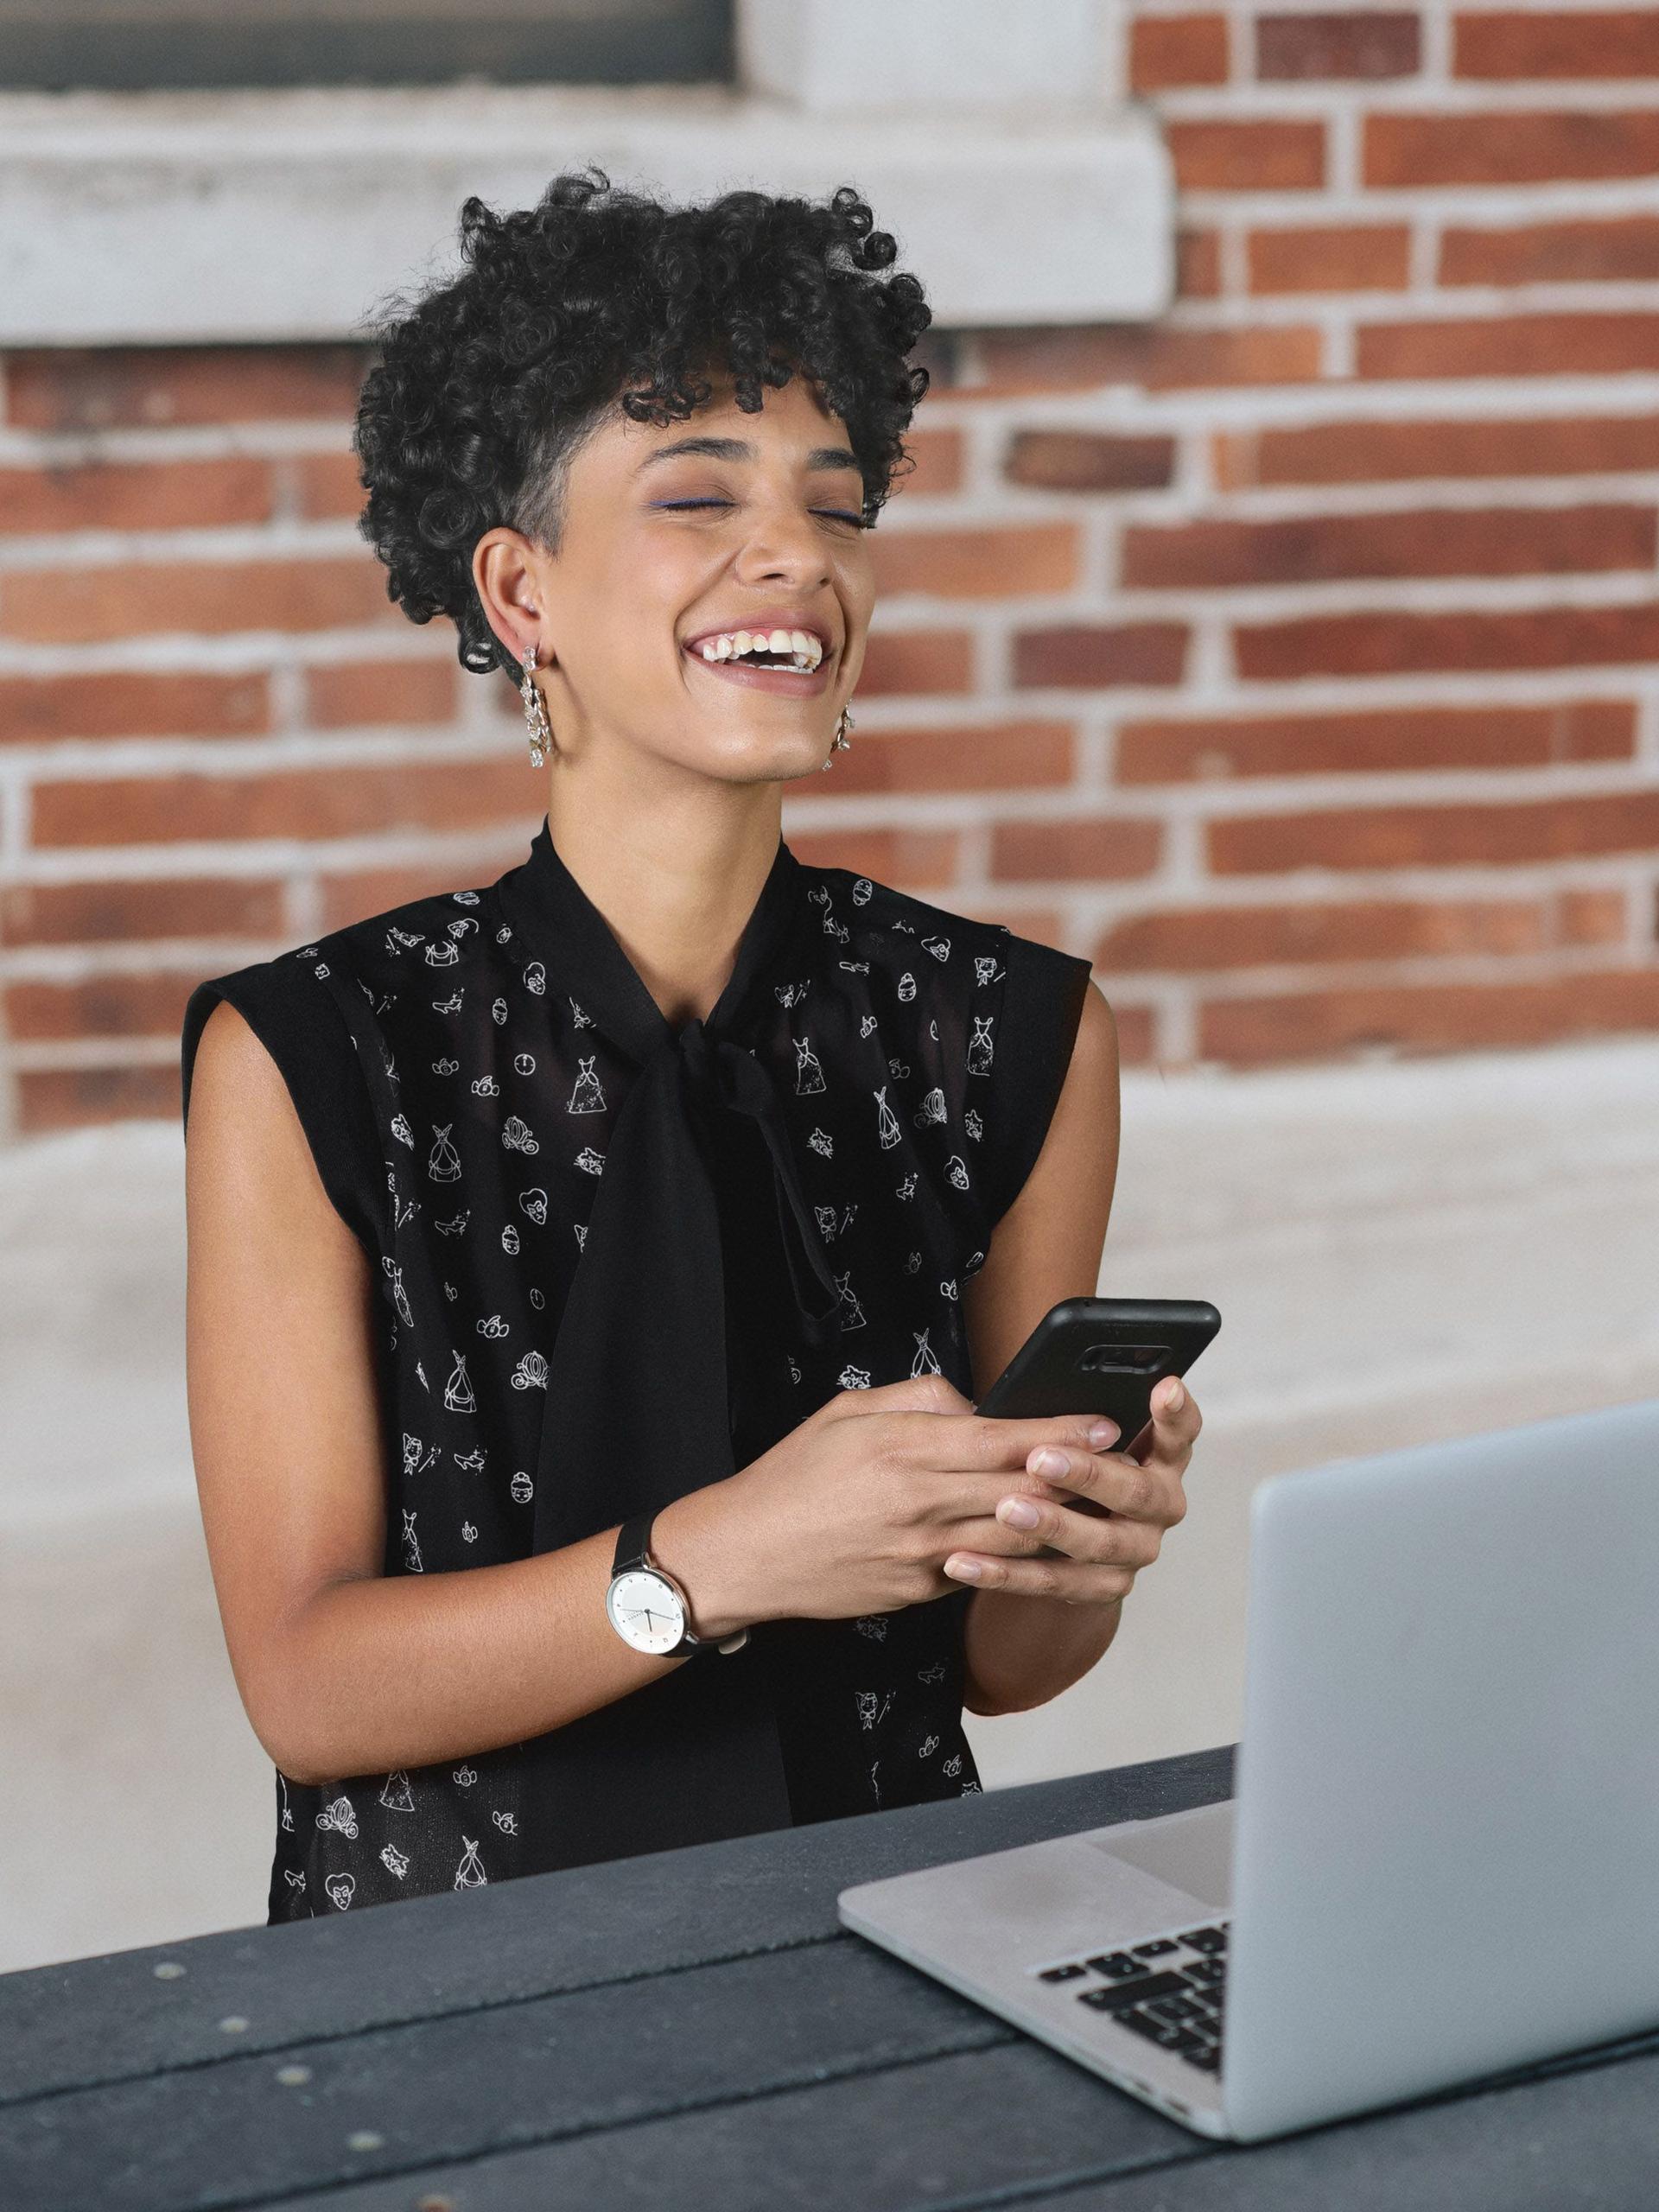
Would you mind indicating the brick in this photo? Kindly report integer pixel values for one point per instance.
(910, 662)
(1194, 939)
(1282, 156)
(924, 861)
(302, 803)
(95, 388)
(1007, 756)
(1618, 250)
(81, 1097)
(1089, 654)
(119, 1004)
(357, 694)
(1384, 644)
(1597, 916)
(1089, 461)
(1197, 264)
(1530, 147)
(993, 563)
(349, 894)
(117, 910)
(1157, 357)
(1169, 50)
(1329, 257)
(1516, 44)
(42, 709)
(1430, 542)
(1427, 1017)
(1359, 453)
(1077, 850)
(134, 495)
(1355, 43)
(1463, 833)
(1513, 345)
(326, 486)
(938, 458)
(1377, 742)
(139, 598)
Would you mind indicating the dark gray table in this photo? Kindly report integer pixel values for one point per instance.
(693, 2030)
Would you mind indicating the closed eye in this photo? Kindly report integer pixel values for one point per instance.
(834, 514)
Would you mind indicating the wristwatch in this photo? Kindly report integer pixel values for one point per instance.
(646, 1605)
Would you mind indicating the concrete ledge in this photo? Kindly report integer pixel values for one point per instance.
(196, 218)
(1400, 1251)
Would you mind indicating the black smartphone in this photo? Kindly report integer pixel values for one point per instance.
(1102, 1356)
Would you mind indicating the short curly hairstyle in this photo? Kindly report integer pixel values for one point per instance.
(598, 299)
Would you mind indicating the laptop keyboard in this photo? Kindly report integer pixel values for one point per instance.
(1169, 1990)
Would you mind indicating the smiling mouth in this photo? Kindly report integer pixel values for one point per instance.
(797, 682)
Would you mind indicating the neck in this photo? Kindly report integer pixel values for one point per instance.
(676, 888)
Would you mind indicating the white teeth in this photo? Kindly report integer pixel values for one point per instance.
(730, 644)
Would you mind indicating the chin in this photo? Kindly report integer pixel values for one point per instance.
(767, 756)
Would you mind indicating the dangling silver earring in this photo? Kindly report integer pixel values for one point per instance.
(841, 743)
(541, 730)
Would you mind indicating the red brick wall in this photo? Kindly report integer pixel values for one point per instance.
(1296, 660)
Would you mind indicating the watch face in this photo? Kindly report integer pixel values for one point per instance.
(646, 1612)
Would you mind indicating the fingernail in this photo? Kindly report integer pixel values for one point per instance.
(1048, 1463)
(1102, 1432)
(964, 1570)
(1019, 1513)
(1176, 1399)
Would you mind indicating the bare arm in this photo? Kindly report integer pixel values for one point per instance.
(1021, 1651)
(342, 1669)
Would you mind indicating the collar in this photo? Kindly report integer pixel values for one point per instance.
(557, 923)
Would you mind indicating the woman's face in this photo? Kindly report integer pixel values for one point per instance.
(722, 522)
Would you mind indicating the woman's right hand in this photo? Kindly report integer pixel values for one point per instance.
(856, 1511)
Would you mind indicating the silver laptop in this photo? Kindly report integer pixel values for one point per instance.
(1442, 1859)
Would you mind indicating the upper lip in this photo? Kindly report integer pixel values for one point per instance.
(768, 618)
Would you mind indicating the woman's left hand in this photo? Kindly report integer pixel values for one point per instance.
(1099, 1517)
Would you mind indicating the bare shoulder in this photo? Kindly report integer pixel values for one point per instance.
(247, 1155)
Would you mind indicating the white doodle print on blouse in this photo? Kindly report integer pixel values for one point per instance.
(340, 1815)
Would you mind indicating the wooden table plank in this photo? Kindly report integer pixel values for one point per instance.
(1017, 2125)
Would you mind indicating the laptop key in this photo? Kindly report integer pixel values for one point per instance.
(1156, 1948)
(1164, 2033)
(1099, 1996)
(1209, 2061)
(1206, 1970)
(1205, 1939)
(1116, 1996)
(1118, 1964)
(1061, 1973)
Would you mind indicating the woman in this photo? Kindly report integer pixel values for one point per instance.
(589, 1271)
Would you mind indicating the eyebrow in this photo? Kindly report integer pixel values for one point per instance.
(739, 449)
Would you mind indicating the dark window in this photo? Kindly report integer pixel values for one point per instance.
(129, 45)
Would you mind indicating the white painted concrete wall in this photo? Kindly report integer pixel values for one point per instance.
(1399, 1250)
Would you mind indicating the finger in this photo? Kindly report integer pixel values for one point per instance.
(1110, 1542)
(1113, 1481)
(1175, 1425)
(1075, 1582)
(988, 1441)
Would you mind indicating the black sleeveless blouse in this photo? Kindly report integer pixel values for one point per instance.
(616, 1260)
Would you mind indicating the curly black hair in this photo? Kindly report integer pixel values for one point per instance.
(596, 299)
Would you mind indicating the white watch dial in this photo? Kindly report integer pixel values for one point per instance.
(646, 1612)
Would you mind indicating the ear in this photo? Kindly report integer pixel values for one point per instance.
(506, 578)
